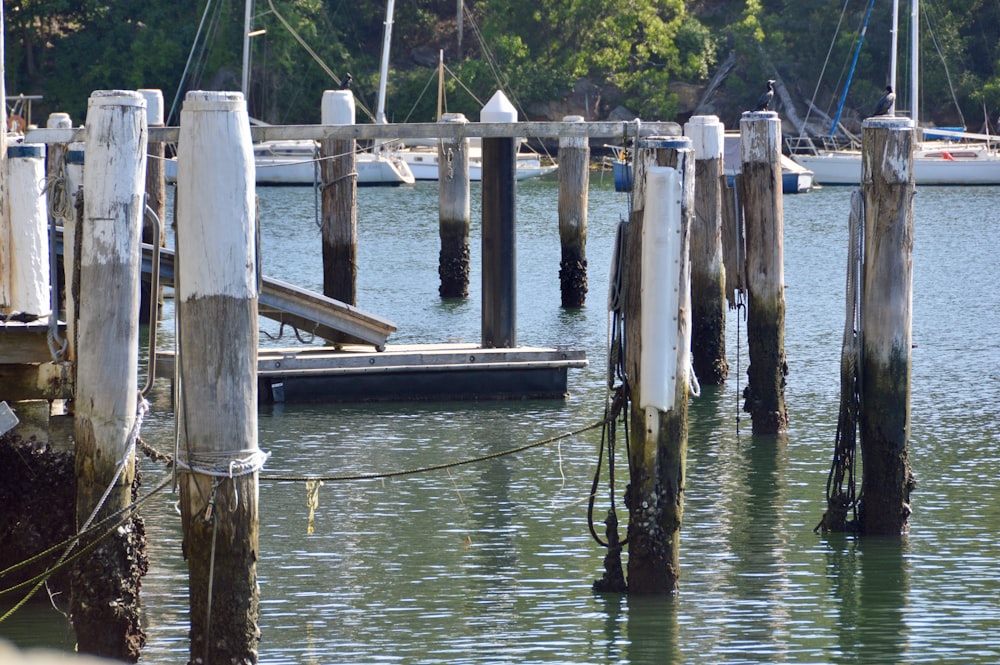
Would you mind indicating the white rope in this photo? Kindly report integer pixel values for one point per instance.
(223, 463)
(693, 379)
(133, 436)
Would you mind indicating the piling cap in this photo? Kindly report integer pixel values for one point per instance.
(337, 107)
(154, 105)
(59, 121)
(498, 109)
(213, 100)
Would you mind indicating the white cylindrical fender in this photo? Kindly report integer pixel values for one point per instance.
(662, 244)
(29, 223)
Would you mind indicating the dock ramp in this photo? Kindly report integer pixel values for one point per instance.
(310, 312)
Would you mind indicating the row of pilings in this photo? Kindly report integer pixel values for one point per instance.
(674, 309)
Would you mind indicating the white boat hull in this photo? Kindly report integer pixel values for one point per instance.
(951, 165)
(423, 163)
(294, 163)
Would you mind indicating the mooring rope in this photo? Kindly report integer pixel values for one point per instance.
(841, 496)
(113, 522)
(435, 467)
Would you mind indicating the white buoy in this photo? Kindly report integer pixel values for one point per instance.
(29, 223)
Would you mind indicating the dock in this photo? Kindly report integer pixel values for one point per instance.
(407, 372)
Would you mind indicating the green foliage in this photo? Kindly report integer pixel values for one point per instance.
(535, 50)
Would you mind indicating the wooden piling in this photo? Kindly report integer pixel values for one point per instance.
(105, 582)
(29, 236)
(4, 189)
(71, 244)
(657, 359)
(217, 402)
(760, 147)
(339, 219)
(708, 276)
(499, 190)
(153, 227)
(886, 317)
(574, 184)
(454, 203)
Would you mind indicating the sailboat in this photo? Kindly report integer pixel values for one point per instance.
(940, 156)
(423, 158)
(296, 162)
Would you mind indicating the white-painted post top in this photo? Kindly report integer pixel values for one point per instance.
(888, 122)
(760, 137)
(707, 136)
(498, 109)
(154, 106)
(59, 121)
(337, 107)
(573, 141)
(216, 185)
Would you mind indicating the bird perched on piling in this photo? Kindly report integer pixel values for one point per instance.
(765, 99)
(884, 103)
(346, 83)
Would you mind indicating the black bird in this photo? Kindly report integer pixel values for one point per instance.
(765, 99)
(346, 83)
(885, 102)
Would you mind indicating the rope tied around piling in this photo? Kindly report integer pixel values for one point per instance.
(223, 464)
(841, 494)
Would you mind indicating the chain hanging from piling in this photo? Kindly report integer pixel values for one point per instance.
(841, 496)
(615, 415)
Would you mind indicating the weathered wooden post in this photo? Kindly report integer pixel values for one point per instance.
(105, 583)
(760, 147)
(708, 276)
(4, 189)
(454, 202)
(217, 400)
(156, 186)
(499, 321)
(156, 193)
(574, 184)
(29, 231)
(71, 243)
(339, 220)
(59, 201)
(886, 317)
(657, 361)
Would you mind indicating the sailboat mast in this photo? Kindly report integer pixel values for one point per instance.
(440, 108)
(384, 70)
(893, 54)
(914, 61)
(247, 19)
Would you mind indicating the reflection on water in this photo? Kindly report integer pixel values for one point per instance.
(492, 562)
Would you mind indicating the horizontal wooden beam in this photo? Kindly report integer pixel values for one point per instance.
(48, 381)
(406, 131)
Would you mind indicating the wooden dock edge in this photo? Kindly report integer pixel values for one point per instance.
(408, 372)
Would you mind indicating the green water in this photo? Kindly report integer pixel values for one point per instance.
(493, 562)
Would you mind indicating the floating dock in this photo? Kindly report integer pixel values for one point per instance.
(408, 372)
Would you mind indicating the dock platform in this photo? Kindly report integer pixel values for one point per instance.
(408, 372)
